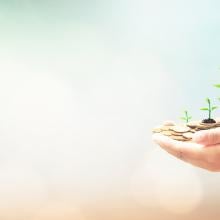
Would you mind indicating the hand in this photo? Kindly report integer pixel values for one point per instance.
(203, 151)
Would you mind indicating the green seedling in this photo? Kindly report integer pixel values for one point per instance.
(186, 117)
(210, 108)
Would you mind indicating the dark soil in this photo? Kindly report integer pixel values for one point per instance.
(209, 121)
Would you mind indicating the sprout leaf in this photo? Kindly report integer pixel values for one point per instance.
(214, 107)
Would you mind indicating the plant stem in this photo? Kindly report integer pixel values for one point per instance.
(187, 118)
(210, 111)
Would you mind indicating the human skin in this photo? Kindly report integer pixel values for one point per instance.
(203, 151)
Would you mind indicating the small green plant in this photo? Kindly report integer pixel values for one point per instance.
(210, 108)
(186, 117)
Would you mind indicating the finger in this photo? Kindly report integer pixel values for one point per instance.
(181, 150)
(207, 137)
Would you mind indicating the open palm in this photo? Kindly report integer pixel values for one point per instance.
(203, 151)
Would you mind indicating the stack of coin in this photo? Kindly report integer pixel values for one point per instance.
(197, 125)
(183, 132)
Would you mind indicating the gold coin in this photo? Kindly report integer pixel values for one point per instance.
(168, 123)
(166, 128)
(176, 133)
(193, 124)
(180, 129)
(167, 133)
(217, 124)
(188, 135)
(206, 125)
(157, 129)
(200, 127)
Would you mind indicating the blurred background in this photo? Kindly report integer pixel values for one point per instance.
(82, 83)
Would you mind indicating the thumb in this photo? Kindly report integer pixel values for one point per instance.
(207, 137)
